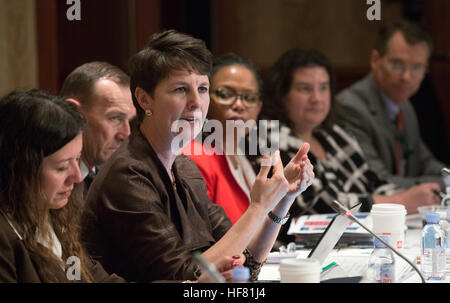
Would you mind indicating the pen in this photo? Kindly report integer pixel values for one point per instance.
(328, 267)
(207, 268)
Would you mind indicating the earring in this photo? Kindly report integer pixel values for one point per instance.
(148, 112)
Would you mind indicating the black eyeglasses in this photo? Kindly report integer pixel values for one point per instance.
(228, 96)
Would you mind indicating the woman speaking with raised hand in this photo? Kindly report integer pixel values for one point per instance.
(147, 210)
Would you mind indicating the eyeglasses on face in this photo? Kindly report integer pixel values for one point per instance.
(228, 96)
(399, 67)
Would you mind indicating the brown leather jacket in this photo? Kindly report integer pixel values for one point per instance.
(142, 228)
(17, 265)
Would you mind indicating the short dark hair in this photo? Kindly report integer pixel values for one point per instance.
(412, 33)
(166, 52)
(278, 81)
(80, 82)
(233, 59)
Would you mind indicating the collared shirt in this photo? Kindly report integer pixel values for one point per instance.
(54, 245)
(88, 177)
(85, 170)
(392, 108)
(243, 173)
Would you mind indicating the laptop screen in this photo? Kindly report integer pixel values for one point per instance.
(331, 236)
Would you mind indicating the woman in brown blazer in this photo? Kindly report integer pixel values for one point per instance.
(148, 208)
(40, 143)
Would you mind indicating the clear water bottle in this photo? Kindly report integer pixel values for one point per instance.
(241, 274)
(446, 228)
(433, 249)
(381, 267)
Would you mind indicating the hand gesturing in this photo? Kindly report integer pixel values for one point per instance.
(269, 191)
(299, 172)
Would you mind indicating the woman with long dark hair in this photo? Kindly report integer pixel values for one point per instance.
(40, 144)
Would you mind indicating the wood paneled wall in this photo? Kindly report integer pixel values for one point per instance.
(18, 52)
(437, 22)
(109, 30)
(262, 29)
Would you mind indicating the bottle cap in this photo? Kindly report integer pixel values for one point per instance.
(432, 218)
(378, 243)
(241, 273)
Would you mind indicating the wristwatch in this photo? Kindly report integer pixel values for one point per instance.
(277, 219)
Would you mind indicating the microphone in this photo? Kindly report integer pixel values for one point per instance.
(208, 268)
(341, 209)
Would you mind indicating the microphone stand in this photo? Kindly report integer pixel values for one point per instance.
(348, 214)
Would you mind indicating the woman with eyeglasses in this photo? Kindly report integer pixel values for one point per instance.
(235, 105)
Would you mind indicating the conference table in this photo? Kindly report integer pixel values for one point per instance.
(353, 261)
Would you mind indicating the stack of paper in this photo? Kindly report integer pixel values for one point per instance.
(308, 230)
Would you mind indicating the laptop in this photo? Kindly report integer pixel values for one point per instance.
(331, 236)
(321, 251)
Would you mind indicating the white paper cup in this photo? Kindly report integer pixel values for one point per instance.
(389, 220)
(300, 271)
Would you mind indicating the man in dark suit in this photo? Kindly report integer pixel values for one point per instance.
(101, 92)
(378, 112)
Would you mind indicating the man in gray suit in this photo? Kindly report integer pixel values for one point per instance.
(377, 111)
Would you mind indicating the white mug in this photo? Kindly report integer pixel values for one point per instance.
(300, 270)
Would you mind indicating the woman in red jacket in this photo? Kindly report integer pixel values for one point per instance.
(234, 108)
